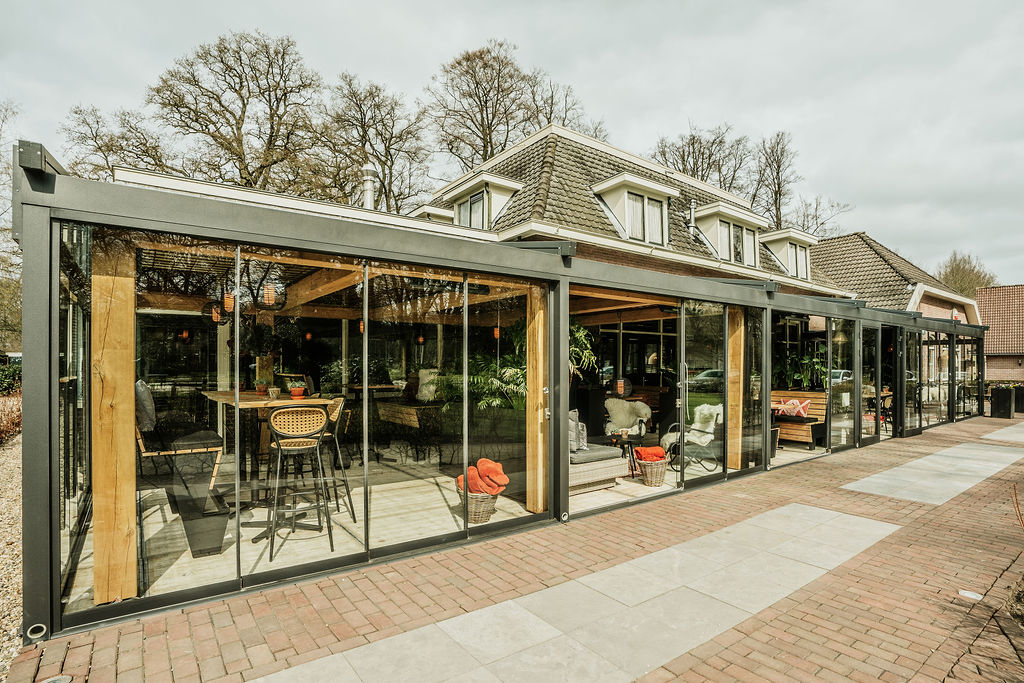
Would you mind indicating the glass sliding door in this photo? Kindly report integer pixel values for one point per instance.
(913, 388)
(704, 391)
(842, 402)
(744, 414)
(874, 399)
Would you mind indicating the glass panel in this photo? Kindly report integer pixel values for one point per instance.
(655, 233)
(749, 248)
(724, 240)
(415, 389)
(163, 468)
(841, 384)
(507, 336)
(801, 263)
(635, 219)
(476, 210)
(745, 427)
(737, 244)
(935, 361)
(704, 358)
(914, 388)
(874, 402)
(299, 357)
(463, 211)
(792, 260)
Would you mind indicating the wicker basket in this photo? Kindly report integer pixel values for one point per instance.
(481, 507)
(653, 472)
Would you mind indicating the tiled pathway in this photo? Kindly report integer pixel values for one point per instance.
(893, 611)
(624, 621)
(941, 476)
(1013, 433)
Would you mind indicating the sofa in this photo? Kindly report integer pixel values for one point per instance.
(591, 466)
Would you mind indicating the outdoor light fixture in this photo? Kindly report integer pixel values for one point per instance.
(309, 336)
(362, 326)
(228, 303)
(497, 333)
(420, 341)
(213, 313)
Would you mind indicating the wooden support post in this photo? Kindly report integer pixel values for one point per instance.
(115, 571)
(536, 400)
(734, 428)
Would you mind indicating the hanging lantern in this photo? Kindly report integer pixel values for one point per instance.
(183, 335)
(229, 302)
(497, 333)
(361, 326)
(309, 336)
(214, 314)
(620, 386)
(272, 296)
(420, 340)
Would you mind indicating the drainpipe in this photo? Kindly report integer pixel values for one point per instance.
(369, 186)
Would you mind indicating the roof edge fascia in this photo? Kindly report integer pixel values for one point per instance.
(970, 305)
(731, 211)
(791, 234)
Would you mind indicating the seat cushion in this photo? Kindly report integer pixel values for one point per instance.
(196, 440)
(594, 454)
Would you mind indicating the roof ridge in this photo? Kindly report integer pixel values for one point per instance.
(547, 168)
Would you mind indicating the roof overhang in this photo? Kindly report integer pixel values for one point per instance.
(427, 210)
(542, 229)
(791, 235)
(635, 182)
(736, 213)
(970, 306)
(478, 180)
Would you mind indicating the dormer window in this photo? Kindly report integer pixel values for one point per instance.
(732, 231)
(471, 211)
(638, 207)
(791, 248)
(737, 243)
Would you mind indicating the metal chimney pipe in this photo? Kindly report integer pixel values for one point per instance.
(693, 220)
(369, 186)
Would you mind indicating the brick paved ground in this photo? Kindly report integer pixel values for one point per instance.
(891, 613)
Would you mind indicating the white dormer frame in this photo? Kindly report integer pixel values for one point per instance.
(497, 191)
(712, 218)
(793, 248)
(614, 192)
(434, 213)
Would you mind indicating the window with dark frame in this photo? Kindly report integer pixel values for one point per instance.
(470, 213)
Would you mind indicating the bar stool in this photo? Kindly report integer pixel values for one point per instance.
(339, 417)
(297, 431)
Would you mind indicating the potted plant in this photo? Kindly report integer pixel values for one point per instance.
(261, 386)
(297, 388)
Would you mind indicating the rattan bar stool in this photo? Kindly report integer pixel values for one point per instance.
(338, 423)
(296, 431)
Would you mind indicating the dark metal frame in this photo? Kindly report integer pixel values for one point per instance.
(43, 194)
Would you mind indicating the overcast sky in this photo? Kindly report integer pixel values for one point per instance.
(911, 112)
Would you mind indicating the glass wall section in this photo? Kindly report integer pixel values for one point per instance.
(744, 415)
(914, 370)
(704, 396)
(872, 394)
(966, 403)
(507, 377)
(935, 378)
(146, 319)
(415, 398)
(299, 347)
(842, 402)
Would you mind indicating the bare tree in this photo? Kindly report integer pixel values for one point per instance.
(710, 155)
(817, 216)
(363, 122)
(95, 143)
(10, 257)
(964, 273)
(774, 177)
(242, 104)
(482, 102)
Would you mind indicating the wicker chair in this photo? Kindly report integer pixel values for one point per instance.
(339, 418)
(297, 431)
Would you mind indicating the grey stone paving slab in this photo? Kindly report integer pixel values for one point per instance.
(848, 539)
(494, 632)
(628, 583)
(330, 668)
(479, 675)
(819, 554)
(740, 587)
(678, 566)
(941, 476)
(748, 533)
(701, 616)
(1013, 433)
(786, 571)
(716, 549)
(560, 659)
(570, 605)
(423, 654)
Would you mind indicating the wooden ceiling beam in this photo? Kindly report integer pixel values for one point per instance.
(584, 305)
(619, 295)
(631, 316)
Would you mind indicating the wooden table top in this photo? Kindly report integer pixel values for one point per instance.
(250, 399)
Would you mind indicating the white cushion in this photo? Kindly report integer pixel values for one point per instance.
(574, 431)
(145, 408)
(428, 385)
(625, 414)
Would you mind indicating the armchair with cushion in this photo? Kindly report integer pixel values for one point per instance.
(631, 415)
(701, 440)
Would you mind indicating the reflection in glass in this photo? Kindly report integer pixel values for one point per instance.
(745, 427)
(704, 390)
(841, 384)
(914, 389)
(874, 402)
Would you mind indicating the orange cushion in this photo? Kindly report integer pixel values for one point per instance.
(649, 453)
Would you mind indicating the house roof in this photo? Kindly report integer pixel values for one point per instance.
(870, 270)
(1002, 309)
(558, 170)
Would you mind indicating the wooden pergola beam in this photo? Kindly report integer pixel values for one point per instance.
(631, 316)
(584, 305)
(619, 295)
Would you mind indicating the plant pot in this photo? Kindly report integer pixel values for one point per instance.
(1018, 399)
(297, 393)
(261, 389)
(1002, 402)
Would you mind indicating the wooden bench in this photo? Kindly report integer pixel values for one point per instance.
(807, 430)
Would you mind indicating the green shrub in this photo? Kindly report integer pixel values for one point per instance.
(10, 378)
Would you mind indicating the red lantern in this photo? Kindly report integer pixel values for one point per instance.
(620, 386)
(309, 336)
(497, 332)
(361, 327)
(229, 302)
